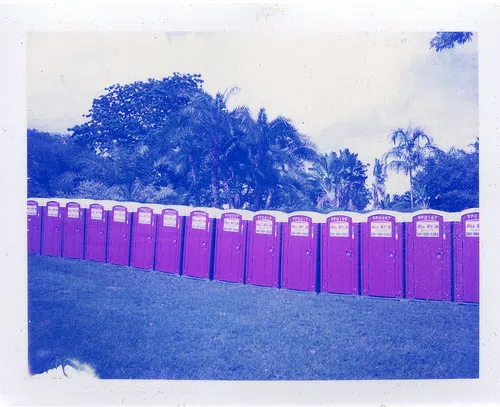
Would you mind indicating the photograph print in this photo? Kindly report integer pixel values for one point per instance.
(253, 206)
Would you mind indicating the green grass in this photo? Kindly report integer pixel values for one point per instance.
(130, 323)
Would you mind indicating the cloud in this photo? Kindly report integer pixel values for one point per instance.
(344, 90)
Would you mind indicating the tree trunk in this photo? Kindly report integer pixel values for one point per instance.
(269, 198)
(375, 197)
(193, 172)
(257, 198)
(228, 193)
(215, 188)
(411, 190)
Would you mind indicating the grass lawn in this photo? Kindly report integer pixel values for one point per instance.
(130, 323)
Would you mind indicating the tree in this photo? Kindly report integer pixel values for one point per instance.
(451, 180)
(447, 40)
(202, 137)
(56, 165)
(126, 114)
(378, 185)
(340, 181)
(277, 153)
(411, 147)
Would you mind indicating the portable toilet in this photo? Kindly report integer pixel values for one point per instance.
(198, 242)
(34, 217)
(169, 235)
(118, 248)
(52, 229)
(339, 253)
(230, 244)
(96, 232)
(382, 254)
(299, 250)
(466, 251)
(264, 248)
(143, 235)
(428, 256)
(73, 230)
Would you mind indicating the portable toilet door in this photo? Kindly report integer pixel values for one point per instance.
(143, 238)
(299, 253)
(263, 251)
(118, 236)
(466, 248)
(428, 262)
(96, 233)
(168, 241)
(382, 252)
(73, 230)
(197, 245)
(52, 229)
(339, 255)
(230, 242)
(34, 214)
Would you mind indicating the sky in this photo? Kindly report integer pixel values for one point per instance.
(343, 90)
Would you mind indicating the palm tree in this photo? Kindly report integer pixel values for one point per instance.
(411, 147)
(278, 152)
(199, 139)
(341, 181)
(325, 176)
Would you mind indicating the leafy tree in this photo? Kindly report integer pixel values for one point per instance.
(447, 40)
(126, 114)
(277, 152)
(202, 136)
(411, 147)
(97, 190)
(341, 181)
(399, 203)
(451, 180)
(56, 165)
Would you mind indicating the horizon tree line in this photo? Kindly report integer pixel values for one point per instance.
(168, 141)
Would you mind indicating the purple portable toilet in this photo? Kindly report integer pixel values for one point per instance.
(198, 243)
(428, 260)
(34, 226)
(96, 233)
(169, 240)
(118, 236)
(230, 242)
(300, 234)
(339, 254)
(143, 238)
(73, 230)
(382, 256)
(263, 248)
(466, 245)
(52, 229)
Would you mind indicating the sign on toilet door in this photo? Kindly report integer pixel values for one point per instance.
(299, 228)
(472, 228)
(381, 229)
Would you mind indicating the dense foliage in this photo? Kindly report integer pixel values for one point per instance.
(169, 141)
(447, 40)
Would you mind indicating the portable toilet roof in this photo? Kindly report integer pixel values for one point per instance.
(214, 213)
(408, 216)
(315, 216)
(108, 204)
(355, 216)
(183, 210)
(245, 214)
(278, 215)
(399, 216)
